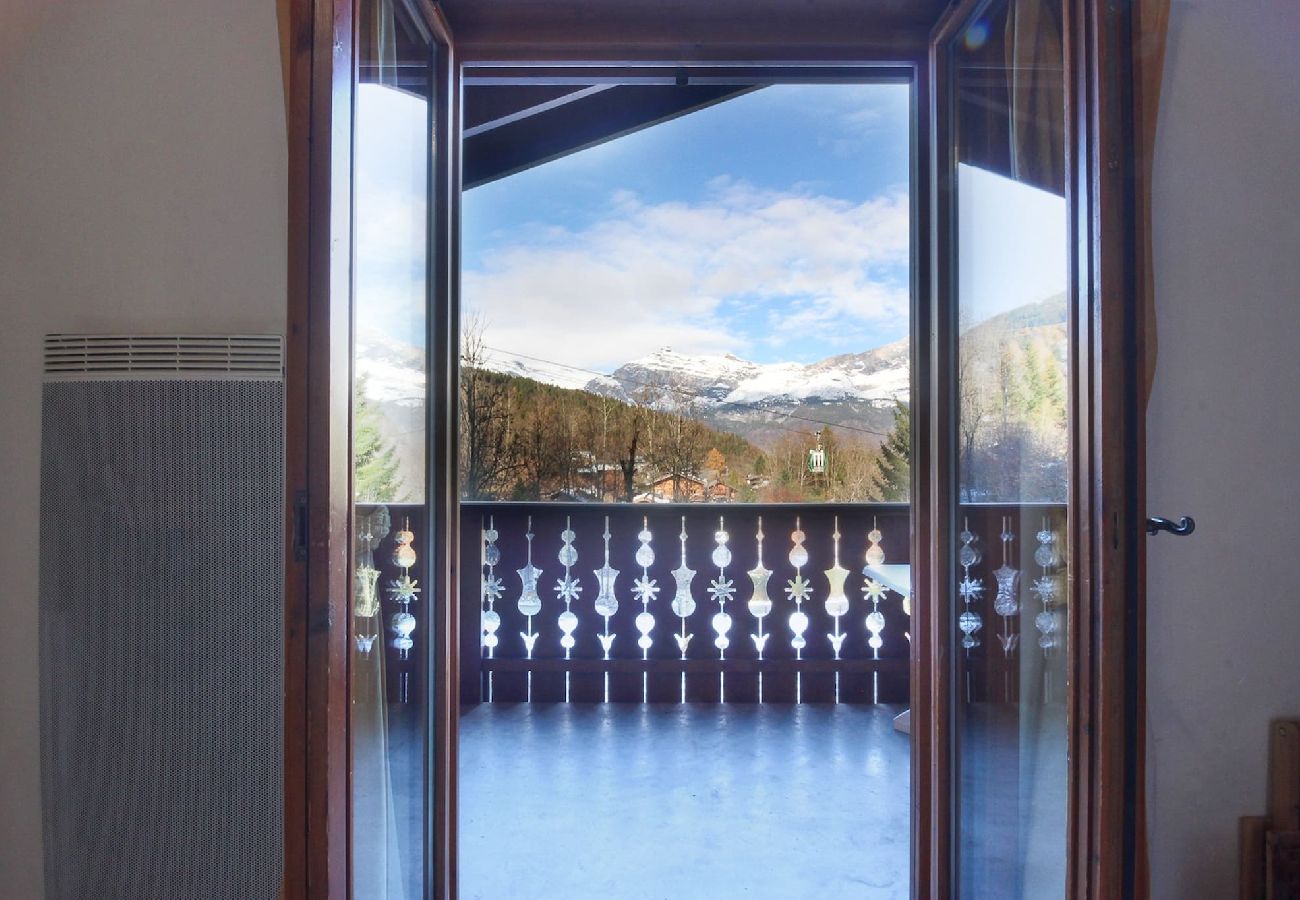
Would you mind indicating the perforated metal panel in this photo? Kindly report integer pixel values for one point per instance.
(161, 540)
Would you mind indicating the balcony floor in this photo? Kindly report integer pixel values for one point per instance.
(683, 801)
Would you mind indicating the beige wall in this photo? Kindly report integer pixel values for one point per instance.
(142, 187)
(1224, 430)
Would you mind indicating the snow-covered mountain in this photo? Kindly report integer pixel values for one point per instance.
(761, 402)
(666, 377)
(855, 392)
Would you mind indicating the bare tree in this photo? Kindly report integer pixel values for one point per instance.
(680, 443)
(487, 457)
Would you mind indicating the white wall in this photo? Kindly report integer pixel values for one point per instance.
(142, 186)
(143, 171)
(1224, 426)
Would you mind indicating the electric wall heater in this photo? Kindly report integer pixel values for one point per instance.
(161, 616)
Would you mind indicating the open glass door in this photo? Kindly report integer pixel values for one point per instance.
(399, 199)
(1036, 462)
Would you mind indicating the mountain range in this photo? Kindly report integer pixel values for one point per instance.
(853, 392)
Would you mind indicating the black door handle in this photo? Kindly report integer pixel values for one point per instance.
(1157, 524)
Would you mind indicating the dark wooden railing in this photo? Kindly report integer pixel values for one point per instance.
(659, 673)
(1004, 661)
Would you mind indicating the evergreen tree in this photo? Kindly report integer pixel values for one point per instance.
(894, 476)
(374, 478)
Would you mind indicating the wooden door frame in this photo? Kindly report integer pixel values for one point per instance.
(1106, 546)
(1106, 540)
(318, 500)
(317, 444)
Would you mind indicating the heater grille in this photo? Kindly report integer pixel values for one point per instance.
(161, 622)
(246, 356)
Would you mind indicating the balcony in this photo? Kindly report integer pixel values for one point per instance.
(617, 766)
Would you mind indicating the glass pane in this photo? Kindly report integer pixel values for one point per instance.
(389, 624)
(1012, 441)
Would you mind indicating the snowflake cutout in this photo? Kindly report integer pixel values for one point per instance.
(1045, 588)
(874, 590)
(567, 588)
(404, 589)
(645, 589)
(971, 589)
(798, 589)
(493, 588)
(722, 589)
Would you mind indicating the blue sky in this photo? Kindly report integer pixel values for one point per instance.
(773, 226)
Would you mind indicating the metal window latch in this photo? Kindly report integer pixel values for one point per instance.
(1157, 524)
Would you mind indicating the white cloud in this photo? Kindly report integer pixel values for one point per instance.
(743, 268)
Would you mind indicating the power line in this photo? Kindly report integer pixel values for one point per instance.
(693, 394)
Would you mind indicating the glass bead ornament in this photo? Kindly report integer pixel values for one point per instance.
(568, 624)
(1045, 555)
(491, 625)
(404, 553)
(875, 553)
(403, 625)
(875, 625)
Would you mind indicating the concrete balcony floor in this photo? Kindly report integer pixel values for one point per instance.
(683, 801)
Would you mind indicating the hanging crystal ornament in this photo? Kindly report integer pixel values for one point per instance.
(971, 589)
(567, 588)
(683, 603)
(837, 603)
(721, 589)
(798, 589)
(529, 603)
(606, 602)
(492, 589)
(365, 598)
(404, 591)
(760, 604)
(1046, 587)
(1007, 602)
(645, 589)
(874, 591)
